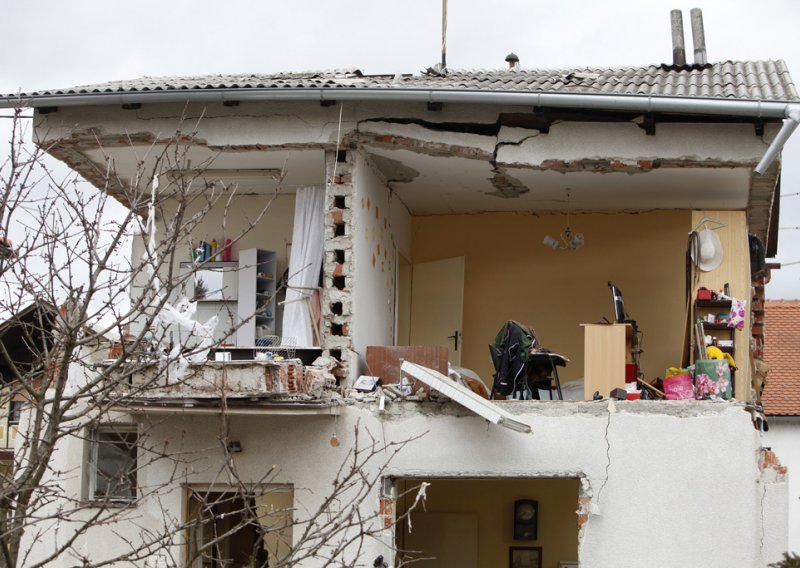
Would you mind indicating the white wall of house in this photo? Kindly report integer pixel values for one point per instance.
(383, 226)
(677, 482)
(784, 439)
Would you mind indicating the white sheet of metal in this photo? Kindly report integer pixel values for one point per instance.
(465, 397)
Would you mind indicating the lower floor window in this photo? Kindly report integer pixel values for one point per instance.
(112, 474)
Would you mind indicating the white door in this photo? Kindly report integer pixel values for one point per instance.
(437, 304)
(444, 540)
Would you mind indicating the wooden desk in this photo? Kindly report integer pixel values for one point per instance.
(606, 350)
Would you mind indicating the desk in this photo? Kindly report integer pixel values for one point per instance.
(606, 350)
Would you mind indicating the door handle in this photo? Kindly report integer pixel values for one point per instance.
(455, 337)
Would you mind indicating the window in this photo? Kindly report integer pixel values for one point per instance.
(112, 464)
(14, 412)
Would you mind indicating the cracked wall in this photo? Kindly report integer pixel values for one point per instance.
(656, 477)
(663, 483)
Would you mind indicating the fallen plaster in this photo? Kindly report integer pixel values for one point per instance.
(506, 186)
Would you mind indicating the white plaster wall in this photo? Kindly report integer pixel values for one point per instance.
(380, 223)
(784, 439)
(675, 484)
(256, 123)
(775, 505)
(581, 140)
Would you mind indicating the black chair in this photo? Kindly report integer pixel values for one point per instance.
(522, 366)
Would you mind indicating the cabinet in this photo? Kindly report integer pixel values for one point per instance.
(607, 349)
(256, 303)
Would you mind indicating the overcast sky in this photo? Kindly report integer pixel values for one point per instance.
(57, 43)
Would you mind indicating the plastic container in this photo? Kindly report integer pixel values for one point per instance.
(679, 387)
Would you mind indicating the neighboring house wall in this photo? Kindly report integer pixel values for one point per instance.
(631, 458)
(781, 398)
(783, 438)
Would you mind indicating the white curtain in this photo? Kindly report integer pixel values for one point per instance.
(308, 237)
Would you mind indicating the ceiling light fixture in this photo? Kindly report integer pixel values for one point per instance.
(567, 240)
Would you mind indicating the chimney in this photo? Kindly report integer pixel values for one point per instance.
(513, 61)
(678, 46)
(699, 37)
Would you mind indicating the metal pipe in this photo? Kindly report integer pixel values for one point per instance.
(698, 37)
(631, 103)
(790, 124)
(444, 35)
(678, 45)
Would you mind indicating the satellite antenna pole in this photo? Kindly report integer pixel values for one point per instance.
(444, 34)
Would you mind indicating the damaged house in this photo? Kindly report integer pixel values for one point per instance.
(412, 217)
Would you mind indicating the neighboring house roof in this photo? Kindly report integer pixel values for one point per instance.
(728, 80)
(781, 395)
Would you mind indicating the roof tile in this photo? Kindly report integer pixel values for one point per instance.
(759, 80)
(781, 395)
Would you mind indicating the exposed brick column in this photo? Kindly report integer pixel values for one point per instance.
(757, 312)
(338, 268)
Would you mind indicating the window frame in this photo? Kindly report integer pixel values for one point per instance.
(14, 412)
(93, 446)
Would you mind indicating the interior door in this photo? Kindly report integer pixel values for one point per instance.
(437, 305)
(444, 540)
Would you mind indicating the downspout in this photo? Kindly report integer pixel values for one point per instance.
(790, 124)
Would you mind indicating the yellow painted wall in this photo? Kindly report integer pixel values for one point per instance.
(509, 274)
(735, 270)
(493, 501)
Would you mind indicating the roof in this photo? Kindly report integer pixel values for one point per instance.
(728, 80)
(781, 395)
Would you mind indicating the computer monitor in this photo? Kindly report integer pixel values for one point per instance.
(619, 304)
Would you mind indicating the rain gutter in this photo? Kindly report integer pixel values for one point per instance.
(789, 112)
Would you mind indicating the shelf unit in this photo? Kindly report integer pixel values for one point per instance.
(716, 330)
(704, 307)
(256, 306)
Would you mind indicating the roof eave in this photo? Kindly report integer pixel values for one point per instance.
(597, 101)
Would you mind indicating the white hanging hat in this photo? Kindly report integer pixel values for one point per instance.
(707, 256)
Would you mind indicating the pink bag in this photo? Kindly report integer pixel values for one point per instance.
(679, 387)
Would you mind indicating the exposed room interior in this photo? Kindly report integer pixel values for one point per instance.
(477, 522)
(235, 530)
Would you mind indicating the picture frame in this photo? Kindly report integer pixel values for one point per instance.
(525, 557)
